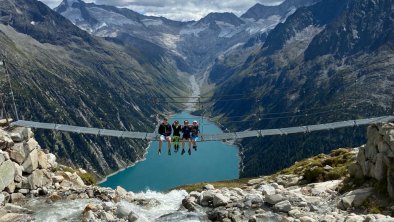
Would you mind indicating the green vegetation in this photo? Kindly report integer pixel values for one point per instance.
(313, 169)
(220, 184)
(88, 178)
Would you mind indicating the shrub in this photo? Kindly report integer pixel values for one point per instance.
(88, 178)
(314, 174)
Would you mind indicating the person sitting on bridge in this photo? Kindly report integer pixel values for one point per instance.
(165, 131)
(195, 131)
(176, 136)
(186, 130)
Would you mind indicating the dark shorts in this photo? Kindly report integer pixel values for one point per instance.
(186, 137)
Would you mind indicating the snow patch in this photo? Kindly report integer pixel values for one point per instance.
(32, 23)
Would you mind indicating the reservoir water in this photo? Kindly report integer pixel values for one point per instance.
(213, 161)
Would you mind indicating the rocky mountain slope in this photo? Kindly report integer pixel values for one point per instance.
(198, 43)
(62, 74)
(35, 187)
(330, 61)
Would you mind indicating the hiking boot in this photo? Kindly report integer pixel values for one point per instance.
(159, 152)
(183, 151)
(195, 148)
(190, 152)
(169, 153)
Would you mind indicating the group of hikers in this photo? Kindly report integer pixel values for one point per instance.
(189, 134)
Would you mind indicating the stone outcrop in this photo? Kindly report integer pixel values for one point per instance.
(376, 158)
(26, 170)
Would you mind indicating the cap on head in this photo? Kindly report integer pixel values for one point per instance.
(195, 121)
(165, 119)
(185, 121)
(176, 121)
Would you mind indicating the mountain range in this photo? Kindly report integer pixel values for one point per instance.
(61, 74)
(301, 62)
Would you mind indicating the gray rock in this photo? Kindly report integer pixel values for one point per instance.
(7, 174)
(51, 160)
(107, 216)
(38, 179)
(195, 194)
(18, 173)
(2, 199)
(16, 197)
(121, 191)
(122, 211)
(18, 153)
(132, 217)
(283, 206)
(31, 162)
(15, 217)
(42, 160)
(17, 209)
(355, 198)
(220, 200)
(19, 134)
(267, 189)
(307, 219)
(383, 147)
(5, 140)
(32, 144)
(189, 203)
(88, 216)
(3, 122)
(208, 187)
(274, 199)
(356, 171)
(206, 197)
(24, 191)
(11, 188)
(380, 170)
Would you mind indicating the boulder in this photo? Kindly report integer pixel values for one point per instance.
(51, 160)
(383, 147)
(274, 199)
(18, 153)
(283, 206)
(208, 187)
(307, 219)
(4, 122)
(120, 191)
(31, 162)
(7, 174)
(356, 171)
(19, 134)
(5, 140)
(38, 179)
(32, 144)
(220, 200)
(267, 189)
(11, 187)
(18, 173)
(107, 216)
(355, 198)
(380, 169)
(15, 217)
(205, 198)
(16, 197)
(57, 179)
(11, 208)
(3, 157)
(42, 160)
(132, 217)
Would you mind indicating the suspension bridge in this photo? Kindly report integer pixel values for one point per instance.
(203, 137)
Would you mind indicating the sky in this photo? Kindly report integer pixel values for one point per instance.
(181, 10)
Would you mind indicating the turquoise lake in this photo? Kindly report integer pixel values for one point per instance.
(213, 161)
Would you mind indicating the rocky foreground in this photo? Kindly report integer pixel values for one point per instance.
(36, 188)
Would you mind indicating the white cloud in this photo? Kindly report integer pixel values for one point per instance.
(179, 9)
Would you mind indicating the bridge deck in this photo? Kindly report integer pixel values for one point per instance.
(204, 137)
